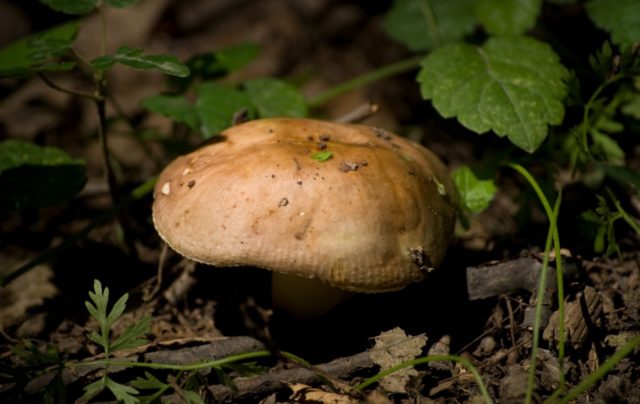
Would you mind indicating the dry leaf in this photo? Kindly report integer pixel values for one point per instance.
(303, 394)
(392, 348)
(26, 291)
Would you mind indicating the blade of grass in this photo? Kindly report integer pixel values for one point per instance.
(553, 231)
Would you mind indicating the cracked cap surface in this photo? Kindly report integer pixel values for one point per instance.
(376, 216)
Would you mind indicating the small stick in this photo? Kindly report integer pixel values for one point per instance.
(359, 114)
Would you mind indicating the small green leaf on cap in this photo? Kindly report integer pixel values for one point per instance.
(322, 155)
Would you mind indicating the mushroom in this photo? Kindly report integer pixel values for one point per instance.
(341, 206)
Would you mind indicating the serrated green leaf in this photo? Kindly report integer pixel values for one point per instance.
(134, 58)
(91, 309)
(117, 310)
(33, 54)
(131, 337)
(511, 85)
(426, 24)
(93, 389)
(621, 18)
(34, 177)
(176, 107)
(274, 98)
(475, 194)
(192, 397)
(99, 340)
(322, 155)
(508, 17)
(123, 393)
(216, 106)
(120, 3)
(71, 6)
(149, 382)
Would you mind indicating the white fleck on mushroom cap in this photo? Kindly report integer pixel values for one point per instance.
(376, 216)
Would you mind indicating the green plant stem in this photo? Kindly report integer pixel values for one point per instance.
(539, 298)
(193, 366)
(103, 30)
(426, 359)
(559, 268)
(116, 199)
(599, 373)
(584, 130)
(622, 214)
(53, 252)
(57, 87)
(371, 77)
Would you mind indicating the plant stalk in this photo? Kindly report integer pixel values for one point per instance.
(399, 67)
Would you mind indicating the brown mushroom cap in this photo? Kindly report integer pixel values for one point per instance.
(376, 216)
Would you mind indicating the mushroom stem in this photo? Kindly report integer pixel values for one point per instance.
(305, 297)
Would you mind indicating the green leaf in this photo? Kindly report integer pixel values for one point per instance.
(236, 57)
(192, 397)
(133, 58)
(212, 65)
(475, 194)
(621, 18)
(176, 107)
(426, 24)
(99, 340)
(216, 106)
(623, 175)
(511, 85)
(273, 98)
(34, 177)
(117, 310)
(322, 155)
(606, 148)
(100, 299)
(507, 17)
(120, 3)
(131, 337)
(150, 382)
(93, 389)
(561, 2)
(125, 394)
(71, 6)
(33, 54)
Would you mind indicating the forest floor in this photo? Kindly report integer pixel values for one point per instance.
(199, 311)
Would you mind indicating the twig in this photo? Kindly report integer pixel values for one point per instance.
(259, 385)
(359, 113)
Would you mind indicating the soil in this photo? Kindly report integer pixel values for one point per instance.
(204, 312)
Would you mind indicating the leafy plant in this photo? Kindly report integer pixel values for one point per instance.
(132, 337)
(52, 51)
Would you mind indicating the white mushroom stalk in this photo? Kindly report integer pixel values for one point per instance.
(353, 206)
